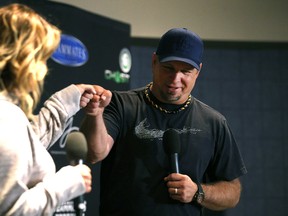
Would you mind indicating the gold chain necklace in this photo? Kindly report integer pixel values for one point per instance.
(162, 109)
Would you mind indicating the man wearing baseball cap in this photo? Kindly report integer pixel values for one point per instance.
(130, 134)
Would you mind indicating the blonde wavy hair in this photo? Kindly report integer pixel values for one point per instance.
(27, 40)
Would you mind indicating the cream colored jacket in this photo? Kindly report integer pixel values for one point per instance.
(28, 182)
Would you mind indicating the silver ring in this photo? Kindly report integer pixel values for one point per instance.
(176, 190)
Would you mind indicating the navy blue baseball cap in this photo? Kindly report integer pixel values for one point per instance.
(180, 44)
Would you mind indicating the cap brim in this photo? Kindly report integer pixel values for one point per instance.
(175, 58)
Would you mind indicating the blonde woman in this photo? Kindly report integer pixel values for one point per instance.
(28, 182)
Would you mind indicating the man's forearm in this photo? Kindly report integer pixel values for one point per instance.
(97, 137)
(221, 195)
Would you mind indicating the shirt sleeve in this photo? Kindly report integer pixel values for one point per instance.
(228, 163)
(54, 116)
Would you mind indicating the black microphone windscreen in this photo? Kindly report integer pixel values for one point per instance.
(76, 146)
(171, 141)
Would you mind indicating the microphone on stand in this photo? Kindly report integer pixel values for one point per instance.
(171, 145)
(76, 150)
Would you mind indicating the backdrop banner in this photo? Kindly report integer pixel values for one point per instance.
(93, 50)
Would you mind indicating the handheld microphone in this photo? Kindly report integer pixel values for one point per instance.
(76, 150)
(171, 145)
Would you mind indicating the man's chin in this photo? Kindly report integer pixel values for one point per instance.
(173, 99)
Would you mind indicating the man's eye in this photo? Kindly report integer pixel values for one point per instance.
(168, 68)
(186, 71)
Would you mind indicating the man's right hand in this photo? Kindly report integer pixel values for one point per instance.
(100, 100)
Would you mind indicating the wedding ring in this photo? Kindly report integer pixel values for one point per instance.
(176, 190)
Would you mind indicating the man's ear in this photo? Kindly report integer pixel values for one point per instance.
(200, 67)
(154, 60)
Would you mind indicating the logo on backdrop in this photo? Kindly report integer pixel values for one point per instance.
(70, 52)
(59, 150)
(125, 63)
(125, 60)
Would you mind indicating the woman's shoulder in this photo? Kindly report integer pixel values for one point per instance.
(11, 114)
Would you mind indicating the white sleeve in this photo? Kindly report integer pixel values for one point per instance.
(54, 116)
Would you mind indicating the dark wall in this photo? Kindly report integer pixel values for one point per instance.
(248, 83)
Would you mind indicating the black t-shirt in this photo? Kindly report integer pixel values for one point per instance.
(132, 176)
